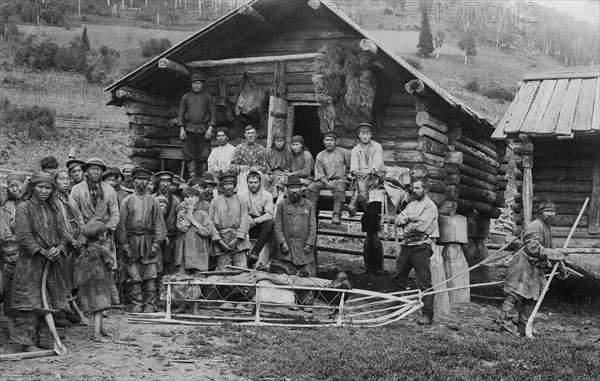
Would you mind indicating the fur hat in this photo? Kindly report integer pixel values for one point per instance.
(298, 139)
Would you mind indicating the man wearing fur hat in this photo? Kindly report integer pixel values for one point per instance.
(97, 200)
(229, 213)
(197, 118)
(331, 172)
(525, 278)
(140, 234)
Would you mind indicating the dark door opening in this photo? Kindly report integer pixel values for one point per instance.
(307, 124)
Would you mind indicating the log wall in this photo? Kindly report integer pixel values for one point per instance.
(563, 171)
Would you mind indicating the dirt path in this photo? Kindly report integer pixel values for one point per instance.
(140, 352)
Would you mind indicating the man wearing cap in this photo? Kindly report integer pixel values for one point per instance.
(165, 181)
(230, 216)
(260, 210)
(40, 233)
(127, 171)
(279, 162)
(248, 156)
(220, 157)
(331, 172)
(115, 178)
(176, 187)
(525, 278)
(140, 235)
(420, 223)
(197, 118)
(296, 229)
(209, 188)
(75, 171)
(97, 200)
(366, 162)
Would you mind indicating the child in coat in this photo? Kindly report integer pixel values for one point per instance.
(93, 273)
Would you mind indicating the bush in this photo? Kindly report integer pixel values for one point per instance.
(414, 62)
(36, 122)
(144, 16)
(473, 85)
(388, 11)
(496, 91)
(154, 46)
(38, 55)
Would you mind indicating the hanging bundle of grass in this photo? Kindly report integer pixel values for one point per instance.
(345, 87)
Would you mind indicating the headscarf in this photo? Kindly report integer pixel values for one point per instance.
(40, 178)
(18, 176)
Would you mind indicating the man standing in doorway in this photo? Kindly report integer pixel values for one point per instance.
(197, 118)
(420, 223)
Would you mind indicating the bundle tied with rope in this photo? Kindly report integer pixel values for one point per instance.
(345, 87)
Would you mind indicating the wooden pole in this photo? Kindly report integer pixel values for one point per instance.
(251, 60)
(529, 326)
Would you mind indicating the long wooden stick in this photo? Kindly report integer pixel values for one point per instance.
(529, 326)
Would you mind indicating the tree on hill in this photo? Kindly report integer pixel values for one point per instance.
(468, 44)
(425, 45)
(85, 40)
(438, 41)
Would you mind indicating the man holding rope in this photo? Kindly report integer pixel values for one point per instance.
(525, 278)
(420, 223)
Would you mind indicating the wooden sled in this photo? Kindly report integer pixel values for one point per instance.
(264, 299)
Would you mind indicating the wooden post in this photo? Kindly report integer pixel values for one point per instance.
(247, 11)
(527, 189)
(454, 264)
(174, 67)
(594, 212)
(441, 302)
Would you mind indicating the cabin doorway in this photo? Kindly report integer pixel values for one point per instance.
(307, 124)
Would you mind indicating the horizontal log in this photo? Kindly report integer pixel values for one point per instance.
(454, 134)
(564, 220)
(563, 186)
(425, 118)
(433, 134)
(174, 67)
(149, 132)
(462, 179)
(393, 111)
(146, 162)
(454, 157)
(427, 145)
(467, 206)
(252, 60)
(448, 209)
(437, 186)
(478, 164)
(135, 108)
(150, 121)
(433, 172)
(458, 146)
(433, 108)
(155, 100)
(137, 142)
(416, 157)
(452, 168)
(561, 197)
(257, 18)
(478, 174)
(561, 174)
(476, 194)
(153, 153)
(563, 161)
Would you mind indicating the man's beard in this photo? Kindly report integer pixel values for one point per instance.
(294, 197)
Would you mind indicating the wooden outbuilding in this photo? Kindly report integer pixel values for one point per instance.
(416, 121)
(553, 126)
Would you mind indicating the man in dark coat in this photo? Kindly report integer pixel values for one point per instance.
(296, 229)
(197, 118)
(525, 278)
(165, 182)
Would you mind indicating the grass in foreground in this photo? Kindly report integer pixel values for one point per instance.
(398, 352)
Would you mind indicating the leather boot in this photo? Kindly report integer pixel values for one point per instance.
(114, 295)
(363, 199)
(191, 166)
(351, 207)
(203, 169)
(135, 290)
(336, 216)
(150, 296)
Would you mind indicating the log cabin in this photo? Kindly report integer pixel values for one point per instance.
(277, 43)
(553, 126)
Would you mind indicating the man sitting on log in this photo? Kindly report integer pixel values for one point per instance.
(248, 156)
(220, 158)
(420, 223)
(525, 278)
(197, 118)
(302, 162)
(365, 164)
(331, 172)
(260, 209)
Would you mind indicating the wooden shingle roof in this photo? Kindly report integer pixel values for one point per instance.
(562, 103)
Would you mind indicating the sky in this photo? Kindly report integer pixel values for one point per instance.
(588, 10)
